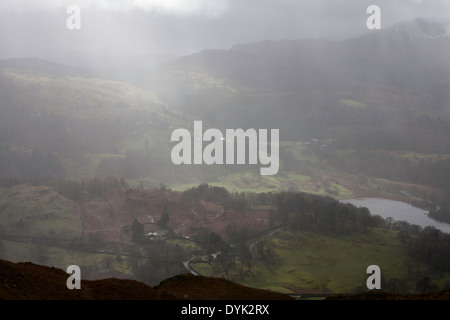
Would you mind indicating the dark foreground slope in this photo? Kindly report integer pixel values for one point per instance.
(188, 286)
(28, 281)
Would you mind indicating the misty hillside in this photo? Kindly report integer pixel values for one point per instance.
(372, 101)
(385, 86)
(407, 56)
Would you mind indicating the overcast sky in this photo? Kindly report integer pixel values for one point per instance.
(178, 27)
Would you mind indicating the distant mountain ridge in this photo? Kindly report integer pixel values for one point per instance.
(423, 28)
(411, 55)
(298, 85)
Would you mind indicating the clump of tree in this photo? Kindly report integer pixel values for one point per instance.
(137, 231)
(156, 261)
(240, 238)
(432, 247)
(211, 241)
(441, 214)
(163, 221)
(302, 212)
(237, 201)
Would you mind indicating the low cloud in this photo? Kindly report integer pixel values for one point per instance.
(181, 27)
(207, 8)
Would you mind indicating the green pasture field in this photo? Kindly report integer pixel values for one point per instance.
(311, 262)
(38, 212)
(249, 182)
(62, 258)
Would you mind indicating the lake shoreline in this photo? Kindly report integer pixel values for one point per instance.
(398, 210)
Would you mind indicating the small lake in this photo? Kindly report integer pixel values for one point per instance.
(399, 211)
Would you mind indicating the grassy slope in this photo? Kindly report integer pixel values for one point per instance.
(76, 97)
(334, 264)
(88, 99)
(39, 212)
(62, 258)
(293, 181)
(312, 263)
